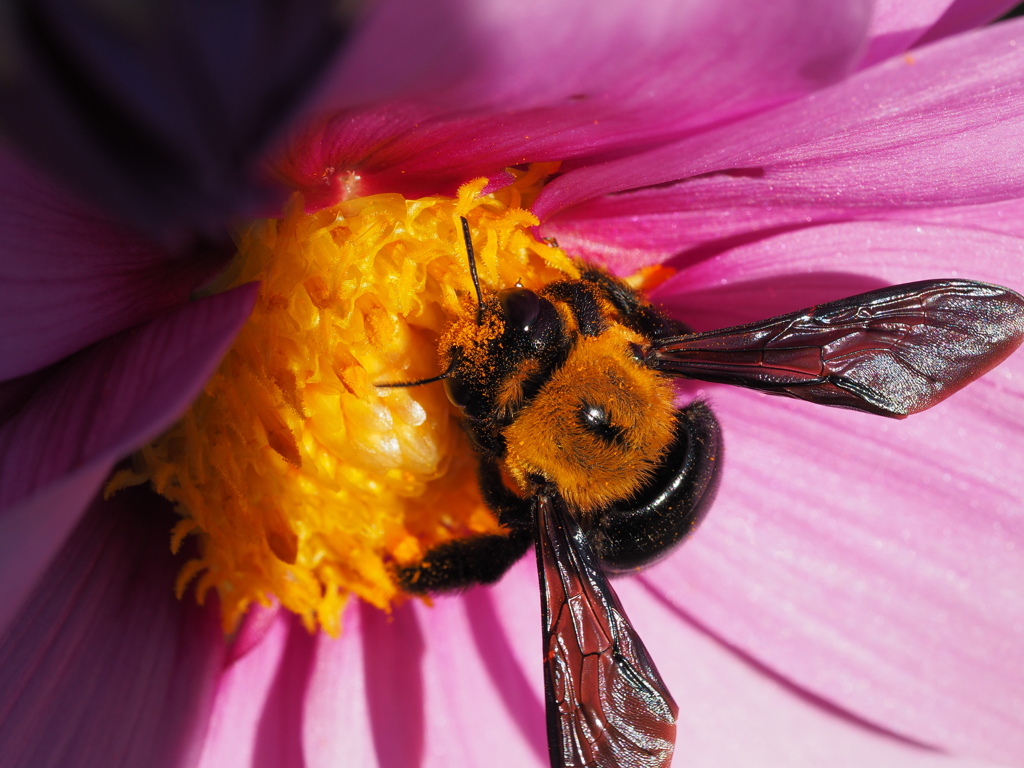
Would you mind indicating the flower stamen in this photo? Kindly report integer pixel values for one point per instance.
(303, 481)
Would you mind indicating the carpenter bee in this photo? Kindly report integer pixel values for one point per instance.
(568, 399)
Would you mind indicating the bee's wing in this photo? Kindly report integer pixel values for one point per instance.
(894, 351)
(606, 704)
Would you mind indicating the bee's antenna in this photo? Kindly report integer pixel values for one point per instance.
(418, 382)
(472, 270)
(479, 315)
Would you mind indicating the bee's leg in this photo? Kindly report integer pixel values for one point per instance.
(461, 563)
(512, 511)
(636, 311)
(633, 533)
(484, 559)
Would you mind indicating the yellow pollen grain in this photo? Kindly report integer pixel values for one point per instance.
(300, 480)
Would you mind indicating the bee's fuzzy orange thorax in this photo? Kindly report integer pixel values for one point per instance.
(549, 439)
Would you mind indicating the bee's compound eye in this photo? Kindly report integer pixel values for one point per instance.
(458, 393)
(521, 307)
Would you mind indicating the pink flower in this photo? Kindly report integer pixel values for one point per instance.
(855, 597)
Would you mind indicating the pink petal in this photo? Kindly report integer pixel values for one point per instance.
(496, 83)
(734, 712)
(258, 712)
(91, 411)
(69, 277)
(1005, 217)
(939, 127)
(259, 620)
(240, 699)
(896, 26)
(104, 667)
(338, 729)
(486, 708)
(633, 230)
(440, 686)
(860, 253)
(629, 231)
(874, 564)
(366, 685)
(482, 683)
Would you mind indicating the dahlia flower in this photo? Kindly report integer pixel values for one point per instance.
(854, 597)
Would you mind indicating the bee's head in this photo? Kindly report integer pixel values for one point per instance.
(495, 363)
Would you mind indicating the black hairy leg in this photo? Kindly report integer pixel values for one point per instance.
(461, 563)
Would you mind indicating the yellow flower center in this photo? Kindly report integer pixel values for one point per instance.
(303, 481)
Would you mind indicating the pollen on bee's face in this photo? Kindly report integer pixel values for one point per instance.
(302, 481)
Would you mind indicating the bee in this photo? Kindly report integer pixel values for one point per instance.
(567, 396)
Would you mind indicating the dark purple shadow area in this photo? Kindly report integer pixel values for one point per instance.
(393, 671)
(103, 665)
(1012, 14)
(279, 737)
(746, 302)
(526, 709)
(789, 685)
(14, 393)
(158, 111)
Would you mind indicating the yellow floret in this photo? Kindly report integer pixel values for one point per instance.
(302, 480)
